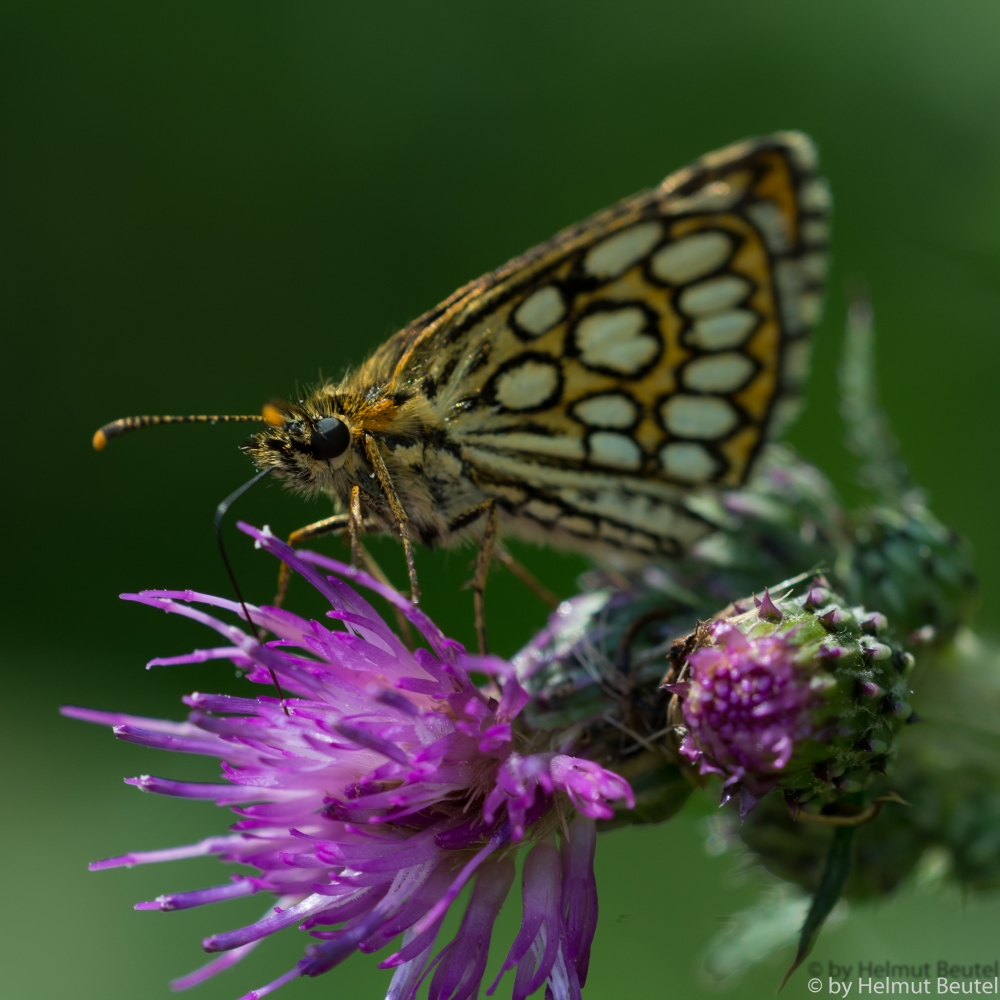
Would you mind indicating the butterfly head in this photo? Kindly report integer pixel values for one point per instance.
(318, 445)
(304, 444)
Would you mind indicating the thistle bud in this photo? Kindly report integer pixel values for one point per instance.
(791, 696)
(946, 773)
(919, 572)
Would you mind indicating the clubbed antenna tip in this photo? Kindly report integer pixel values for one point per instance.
(117, 427)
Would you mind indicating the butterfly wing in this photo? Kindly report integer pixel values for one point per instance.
(603, 380)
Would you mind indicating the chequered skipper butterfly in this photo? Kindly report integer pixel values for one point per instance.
(588, 393)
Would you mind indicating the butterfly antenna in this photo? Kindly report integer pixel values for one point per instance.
(118, 427)
(220, 513)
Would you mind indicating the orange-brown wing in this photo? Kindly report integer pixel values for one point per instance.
(665, 338)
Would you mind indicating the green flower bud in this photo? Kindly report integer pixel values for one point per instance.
(907, 563)
(794, 696)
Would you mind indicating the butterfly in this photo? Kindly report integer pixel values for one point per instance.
(589, 394)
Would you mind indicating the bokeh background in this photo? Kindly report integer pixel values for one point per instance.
(203, 205)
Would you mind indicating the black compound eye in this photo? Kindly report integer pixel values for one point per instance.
(330, 438)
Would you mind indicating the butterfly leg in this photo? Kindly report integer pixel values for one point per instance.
(484, 556)
(328, 526)
(356, 525)
(374, 457)
(360, 556)
(527, 577)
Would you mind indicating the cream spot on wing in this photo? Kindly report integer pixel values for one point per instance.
(734, 151)
(773, 224)
(541, 510)
(559, 445)
(508, 492)
(578, 525)
(713, 295)
(613, 532)
(615, 339)
(703, 417)
(814, 265)
(691, 257)
(718, 372)
(541, 310)
(783, 413)
(615, 450)
(528, 385)
(612, 409)
(641, 542)
(687, 461)
(722, 330)
(713, 197)
(814, 196)
(618, 253)
(795, 366)
(801, 149)
(791, 280)
(811, 308)
(788, 276)
(815, 232)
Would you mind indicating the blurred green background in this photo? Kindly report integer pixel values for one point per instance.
(202, 204)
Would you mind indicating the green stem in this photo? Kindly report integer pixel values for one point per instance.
(869, 435)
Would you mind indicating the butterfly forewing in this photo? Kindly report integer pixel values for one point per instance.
(596, 385)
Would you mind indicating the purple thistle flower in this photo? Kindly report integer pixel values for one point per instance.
(746, 705)
(389, 785)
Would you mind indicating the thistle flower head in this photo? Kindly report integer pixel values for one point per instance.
(373, 795)
(747, 704)
(803, 693)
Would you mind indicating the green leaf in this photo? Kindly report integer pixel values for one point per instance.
(838, 867)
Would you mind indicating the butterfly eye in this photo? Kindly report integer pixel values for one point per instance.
(330, 438)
